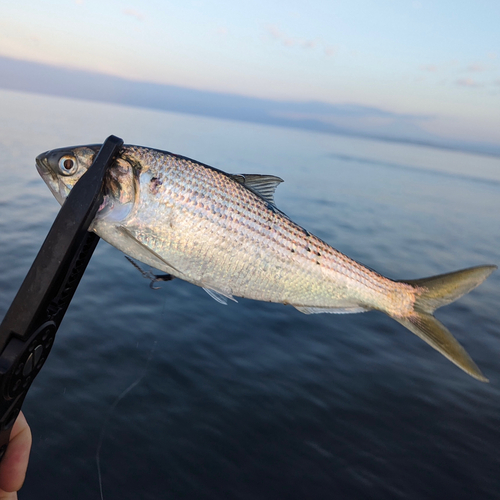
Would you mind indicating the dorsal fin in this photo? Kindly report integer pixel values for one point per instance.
(263, 185)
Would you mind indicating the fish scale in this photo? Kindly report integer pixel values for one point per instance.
(224, 233)
(241, 217)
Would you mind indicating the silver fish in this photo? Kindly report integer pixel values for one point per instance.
(224, 233)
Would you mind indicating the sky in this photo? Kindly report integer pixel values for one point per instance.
(436, 59)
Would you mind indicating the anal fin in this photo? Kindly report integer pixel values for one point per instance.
(331, 310)
(220, 297)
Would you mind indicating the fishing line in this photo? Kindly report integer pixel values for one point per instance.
(110, 412)
(150, 275)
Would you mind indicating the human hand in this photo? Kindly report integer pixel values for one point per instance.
(15, 462)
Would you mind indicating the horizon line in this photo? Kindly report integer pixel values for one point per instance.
(102, 87)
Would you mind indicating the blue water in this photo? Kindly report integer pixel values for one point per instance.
(253, 400)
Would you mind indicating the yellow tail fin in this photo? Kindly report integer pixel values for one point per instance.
(437, 291)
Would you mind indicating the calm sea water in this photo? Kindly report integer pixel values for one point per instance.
(252, 400)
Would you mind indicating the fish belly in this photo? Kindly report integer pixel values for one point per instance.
(198, 224)
(240, 257)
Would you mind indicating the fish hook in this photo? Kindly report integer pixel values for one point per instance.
(151, 276)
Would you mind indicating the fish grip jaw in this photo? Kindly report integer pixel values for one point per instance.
(28, 329)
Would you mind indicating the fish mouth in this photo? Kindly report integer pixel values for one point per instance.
(45, 170)
(47, 162)
(41, 163)
(50, 177)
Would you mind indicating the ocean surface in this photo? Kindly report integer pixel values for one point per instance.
(181, 397)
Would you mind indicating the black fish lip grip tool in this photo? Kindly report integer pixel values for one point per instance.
(28, 329)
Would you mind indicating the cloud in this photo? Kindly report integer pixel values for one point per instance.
(429, 67)
(330, 51)
(274, 31)
(276, 34)
(133, 13)
(309, 44)
(476, 68)
(467, 82)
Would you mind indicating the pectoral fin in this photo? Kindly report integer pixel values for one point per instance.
(139, 250)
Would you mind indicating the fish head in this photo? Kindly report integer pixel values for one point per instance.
(62, 168)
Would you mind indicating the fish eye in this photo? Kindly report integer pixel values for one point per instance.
(67, 165)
